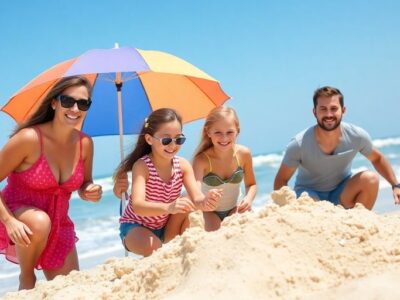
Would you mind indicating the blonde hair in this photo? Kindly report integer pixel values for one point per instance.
(215, 115)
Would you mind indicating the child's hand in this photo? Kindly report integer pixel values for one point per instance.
(91, 192)
(244, 205)
(181, 205)
(211, 200)
(121, 185)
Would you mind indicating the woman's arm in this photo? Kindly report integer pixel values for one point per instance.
(22, 148)
(89, 191)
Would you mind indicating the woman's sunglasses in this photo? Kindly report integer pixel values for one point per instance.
(167, 140)
(68, 102)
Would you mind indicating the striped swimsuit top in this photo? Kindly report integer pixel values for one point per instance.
(157, 190)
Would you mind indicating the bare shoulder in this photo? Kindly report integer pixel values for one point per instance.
(23, 147)
(87, 141)
(140, 168)
(87, 144)
(243, 151)
(27, 138)
(200, 160)
(184, 163)
(27, 134)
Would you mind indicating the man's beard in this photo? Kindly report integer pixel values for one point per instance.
(335, 125)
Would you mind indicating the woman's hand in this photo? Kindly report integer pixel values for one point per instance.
(181, 205)
(18, 232)
(91, 192)
(121, 185)
(211, 200)
(244, 205)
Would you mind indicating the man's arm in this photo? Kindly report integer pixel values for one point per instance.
(283, 176)
(382, 165)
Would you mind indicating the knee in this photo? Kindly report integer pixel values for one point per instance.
(370, 178)
(179, 218)
(148, 249)
(40, 225)
(142, 244)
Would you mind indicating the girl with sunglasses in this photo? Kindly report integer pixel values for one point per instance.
(46, 159)
(156, 212)
(221, 163)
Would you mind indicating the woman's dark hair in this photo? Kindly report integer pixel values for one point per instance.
(45, 112)
(150, 126)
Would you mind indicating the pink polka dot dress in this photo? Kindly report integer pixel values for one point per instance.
(38, 187)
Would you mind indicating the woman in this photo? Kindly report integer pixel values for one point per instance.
(45, 160)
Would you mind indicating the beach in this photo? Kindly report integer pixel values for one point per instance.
(264, 59)
(289, 249)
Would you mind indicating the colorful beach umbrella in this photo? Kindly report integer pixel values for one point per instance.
(146, 80)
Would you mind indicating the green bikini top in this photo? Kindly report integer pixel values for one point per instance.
(212, 179)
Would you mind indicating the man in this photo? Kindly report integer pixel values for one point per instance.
(324, 152)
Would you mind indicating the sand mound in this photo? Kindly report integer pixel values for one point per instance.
(292, 249)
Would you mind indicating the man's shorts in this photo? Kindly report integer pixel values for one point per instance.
(332, 196)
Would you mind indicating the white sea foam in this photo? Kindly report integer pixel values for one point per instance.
(380, 143)
(272, 160)
(4, 276)
(102, 251)
(106, 183)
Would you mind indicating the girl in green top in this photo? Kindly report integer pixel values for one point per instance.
(221, 163)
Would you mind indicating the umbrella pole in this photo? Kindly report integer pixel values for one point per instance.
(118, 85)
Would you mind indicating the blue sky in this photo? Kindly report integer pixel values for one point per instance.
(268, 55)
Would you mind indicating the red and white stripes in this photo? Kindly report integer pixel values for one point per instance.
(157, 190)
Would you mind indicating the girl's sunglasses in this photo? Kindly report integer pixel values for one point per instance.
(68, 102)
(167, 140)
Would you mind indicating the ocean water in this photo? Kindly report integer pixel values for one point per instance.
(97, 224)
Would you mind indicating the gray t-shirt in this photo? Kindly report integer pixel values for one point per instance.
(320, 171)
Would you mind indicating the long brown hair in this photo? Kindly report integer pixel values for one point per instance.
(45, 112)
(214, 116)
(150, 126)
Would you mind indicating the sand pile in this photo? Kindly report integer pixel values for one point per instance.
(292, 249)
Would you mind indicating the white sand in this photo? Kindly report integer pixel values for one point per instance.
(299, 250)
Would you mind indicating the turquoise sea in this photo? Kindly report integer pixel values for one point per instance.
(97, 224)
